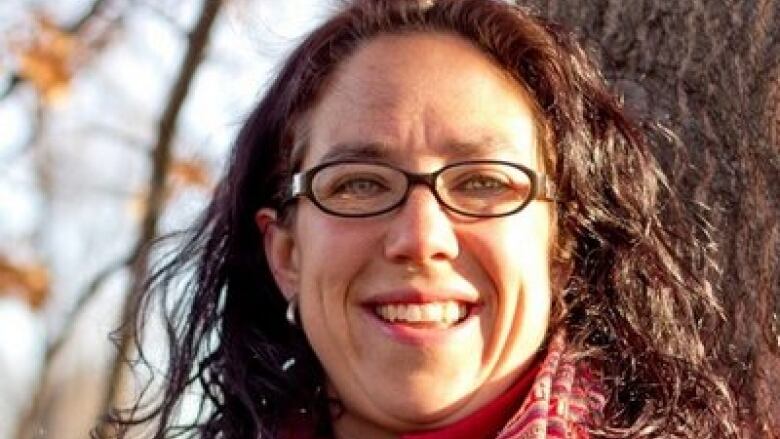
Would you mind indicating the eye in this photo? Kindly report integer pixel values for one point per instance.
(358, 186)
(481, 184)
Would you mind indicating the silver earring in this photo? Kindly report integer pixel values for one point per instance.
(412, 269)
(292, 310)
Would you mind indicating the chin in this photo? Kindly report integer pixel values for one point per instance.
(425, 409)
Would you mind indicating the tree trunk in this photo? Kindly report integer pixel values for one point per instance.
(710, 70)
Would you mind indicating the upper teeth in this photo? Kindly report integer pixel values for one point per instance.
(435, 312)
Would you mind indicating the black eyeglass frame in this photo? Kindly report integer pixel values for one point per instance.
(542, 187)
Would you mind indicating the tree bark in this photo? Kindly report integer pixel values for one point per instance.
(710, 70)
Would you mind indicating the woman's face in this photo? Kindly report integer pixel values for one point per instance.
(418, 102)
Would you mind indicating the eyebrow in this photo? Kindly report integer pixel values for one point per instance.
(382, 151)
(475, 149)
(356, 151)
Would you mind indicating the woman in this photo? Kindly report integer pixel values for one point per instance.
(438, 222)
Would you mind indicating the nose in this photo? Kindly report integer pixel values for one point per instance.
(421, 231)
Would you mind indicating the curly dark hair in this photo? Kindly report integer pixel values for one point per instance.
(636, 303)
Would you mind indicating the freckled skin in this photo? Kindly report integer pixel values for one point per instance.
(418, 94)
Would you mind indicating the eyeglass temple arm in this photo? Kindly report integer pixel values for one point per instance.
(545, 188)
(296, 186)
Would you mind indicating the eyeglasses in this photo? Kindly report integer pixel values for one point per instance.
(478, 188)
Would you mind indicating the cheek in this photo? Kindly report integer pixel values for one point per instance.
(329, 248)
(531, 261)
(331, 257)
(514, 256)
(511, 256)
(332, 254)
(514, 252)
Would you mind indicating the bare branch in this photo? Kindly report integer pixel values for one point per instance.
(31, 420)
(85, 299)
(161, 158)
(94, 10)
(37, 117)
(165, 16)
(15, 80)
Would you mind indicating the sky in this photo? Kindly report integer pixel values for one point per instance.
(73, 171)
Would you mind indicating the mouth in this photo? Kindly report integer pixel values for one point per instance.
(424, 317)
(440, 314)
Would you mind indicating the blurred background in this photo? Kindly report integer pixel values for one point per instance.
(116, 117)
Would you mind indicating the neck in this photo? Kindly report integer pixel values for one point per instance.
(349, 426)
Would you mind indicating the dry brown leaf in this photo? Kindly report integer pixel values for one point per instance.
(190, 172)
(30, 281)
(47, 60)
(182, 174)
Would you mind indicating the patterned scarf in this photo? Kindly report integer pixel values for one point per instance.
(563, 399)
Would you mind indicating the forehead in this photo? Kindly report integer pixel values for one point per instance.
(412, 96)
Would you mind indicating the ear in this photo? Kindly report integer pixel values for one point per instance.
(280, 251)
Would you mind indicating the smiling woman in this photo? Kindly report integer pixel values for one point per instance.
(417, 94)
(439, 224)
